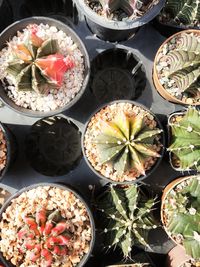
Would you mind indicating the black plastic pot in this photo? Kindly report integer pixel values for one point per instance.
(6, 14)
(65, 187)
(11, 148)
(53, 145)
(115, 30)
(20, 25)
(148, 172)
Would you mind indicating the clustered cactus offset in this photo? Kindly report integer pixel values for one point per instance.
(186, 12)
(37, 65)
(127, 142)
(184, 65)
(182, 215)
(185, 144)
(45, 236)
(128, 217)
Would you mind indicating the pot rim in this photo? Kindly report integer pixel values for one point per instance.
(52, 22)
(64, 187)
(153, 168)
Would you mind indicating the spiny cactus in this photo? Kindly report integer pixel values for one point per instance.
(184, 64)
(128, 217)
(45, 236)
(186, 139)
(186, 12)
(182, 208)
(127, 142)
(36, 64)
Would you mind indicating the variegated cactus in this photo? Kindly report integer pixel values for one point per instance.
(185, 12)
(128, 217)
(184, 64)
(127, 142)
(182, 215)
(185, 143)
(37, 64)
(45, 235)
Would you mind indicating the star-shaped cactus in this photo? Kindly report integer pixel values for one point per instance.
(127, 142)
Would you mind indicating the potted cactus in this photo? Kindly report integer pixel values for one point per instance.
(128, 217)
(120, 19)
(176, 72)
(180, 213)
(184, 142)
(123, 142)
(46, 225)
(44, 66)
(177, 16)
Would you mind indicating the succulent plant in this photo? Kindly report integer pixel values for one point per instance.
(45, 235)
(185, 12)
(127, 142)
(184, 64)
(37, 65)
(185, 144)
(128, 217)
(182, 208)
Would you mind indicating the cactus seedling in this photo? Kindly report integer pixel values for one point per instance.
(185, 144)
(37, 65)
(181, 214)
(44, 236)
(128, 217)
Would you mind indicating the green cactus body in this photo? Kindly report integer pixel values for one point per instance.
(127, 142)
(185, 143)
(128, 217)
(184, 64)
(182, 214)
(186, 12)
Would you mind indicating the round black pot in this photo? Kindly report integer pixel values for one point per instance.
(11, 148)
(11, 31)
(148, 172)
(65, 187)
(6, 14)
(114, 31)
(53, 145)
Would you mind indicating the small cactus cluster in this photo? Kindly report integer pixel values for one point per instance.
(45, 236)
(186, 12)
(185, 143)
(127, 142)
(37, 65)
(184, 65)
(128, 217)
(182, 215)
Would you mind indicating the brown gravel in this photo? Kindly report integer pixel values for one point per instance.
(3, 151)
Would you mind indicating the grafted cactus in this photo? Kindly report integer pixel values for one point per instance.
(36, 64)
(184, 64)
(128, 217)
(186, 12)
(182, 214)
(127, 142)
(186, 139)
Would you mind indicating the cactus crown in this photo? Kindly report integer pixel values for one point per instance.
(182, 209)
(128, 217)
(185, 12)
(45, 235)
(127, 142)
(185, 143)
(36, 64)
(184, 64)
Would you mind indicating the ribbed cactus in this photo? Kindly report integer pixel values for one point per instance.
(36, 64)
(45, 235)
(186, 12)
(184, 64)
(185, 142)
(128, 217)
(127, 142)
(182, 210)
